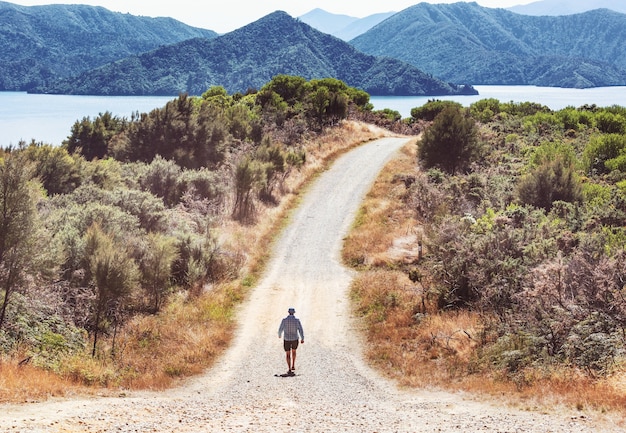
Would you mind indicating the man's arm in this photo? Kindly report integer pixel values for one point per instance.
(301, 331)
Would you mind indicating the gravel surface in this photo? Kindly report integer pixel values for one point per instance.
(333, 390)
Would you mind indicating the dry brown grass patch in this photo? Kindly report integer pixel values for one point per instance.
(28, 383)
(383, 218)
(402, 339)
(440, 350)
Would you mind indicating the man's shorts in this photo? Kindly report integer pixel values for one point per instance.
(289, 345)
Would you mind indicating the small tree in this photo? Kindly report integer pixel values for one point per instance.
(431, 109)
(553, 178)
(113, 274)
(248, 176)
(156, 267)
(91, 138)
(17, 226)
(451, 142)
(56, 169)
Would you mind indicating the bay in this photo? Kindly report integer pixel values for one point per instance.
(49, 118)
(555, 98)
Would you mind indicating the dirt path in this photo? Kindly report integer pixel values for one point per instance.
(333, 390)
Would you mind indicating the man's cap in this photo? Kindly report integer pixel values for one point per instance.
(291, 310)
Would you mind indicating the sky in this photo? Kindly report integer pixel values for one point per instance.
(227, 15)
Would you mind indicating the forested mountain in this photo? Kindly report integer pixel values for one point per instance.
(342, 26)
(42, 43)
(464, 42)
(250, 57)
(568, 7)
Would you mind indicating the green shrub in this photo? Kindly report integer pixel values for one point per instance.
(431, 109)
(451, 142)
(602, 149)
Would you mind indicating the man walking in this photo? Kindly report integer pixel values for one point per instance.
(291, 327)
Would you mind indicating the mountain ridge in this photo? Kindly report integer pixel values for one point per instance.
(43, 43)
(464, 42)
(327, 22)
(566, 7)
(248, 58)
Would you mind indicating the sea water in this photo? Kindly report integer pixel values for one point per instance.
(49, 118)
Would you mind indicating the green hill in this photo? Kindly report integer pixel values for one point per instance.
(39, 44)
(250, 57)
(464, 42)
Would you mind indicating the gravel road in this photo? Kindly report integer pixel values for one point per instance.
(333, 390)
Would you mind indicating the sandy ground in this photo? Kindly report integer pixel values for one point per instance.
(333, 390)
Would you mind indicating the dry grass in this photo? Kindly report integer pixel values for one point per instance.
(380, 221)
(416, 348)
(189, 334)
(28, 384)
(409, 340)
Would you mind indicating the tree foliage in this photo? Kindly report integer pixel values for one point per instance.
(431, 109)
(451, 142)
(113, 275)
(18, 233)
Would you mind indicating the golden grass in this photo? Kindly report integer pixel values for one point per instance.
(27, 383)
(379, 222)
(408, 339)
(405, 342)
(192, 331)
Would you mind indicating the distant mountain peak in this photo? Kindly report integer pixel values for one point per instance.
(342, 26)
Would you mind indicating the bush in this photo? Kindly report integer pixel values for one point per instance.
(161, 179)
(451, 142)
(432, 109)
(601, 151)
(552, 178)
(610, 123)
(203, 184)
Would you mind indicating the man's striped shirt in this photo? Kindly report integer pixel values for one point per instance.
(291, 326)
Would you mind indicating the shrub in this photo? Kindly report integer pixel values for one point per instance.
(202, 184)
(451, 142)
(432, 109)
(58, 171)
(161, 180)
(552, 178)
(602, 150)
(610, 123)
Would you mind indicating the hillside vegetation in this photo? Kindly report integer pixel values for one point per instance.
(43, 43)
(125, 250)
(467, 43)
(494, 255)
(248, 58)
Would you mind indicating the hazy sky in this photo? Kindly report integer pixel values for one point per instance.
(227, 15)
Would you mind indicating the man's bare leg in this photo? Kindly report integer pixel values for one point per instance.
(293, 359)
(288, 357)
